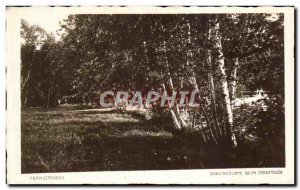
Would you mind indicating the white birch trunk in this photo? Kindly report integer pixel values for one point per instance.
(174, 116)
(177, 111)
(24, 88)
(216, 39)
(233, 83)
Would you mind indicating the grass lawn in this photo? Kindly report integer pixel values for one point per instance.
(73, 139)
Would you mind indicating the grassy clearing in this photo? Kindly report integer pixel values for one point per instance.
(70, 140)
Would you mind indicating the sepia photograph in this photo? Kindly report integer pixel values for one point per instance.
(151, 90)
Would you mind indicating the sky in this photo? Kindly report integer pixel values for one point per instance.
(48, 19)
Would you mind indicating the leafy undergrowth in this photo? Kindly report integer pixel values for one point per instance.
(61, 140)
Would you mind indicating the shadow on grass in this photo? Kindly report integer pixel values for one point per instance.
(63, 141)
(60, 141)
(102, 153)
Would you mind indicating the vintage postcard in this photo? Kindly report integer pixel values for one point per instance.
(150, 95)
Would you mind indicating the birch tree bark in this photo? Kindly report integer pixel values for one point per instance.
(233, 82)
(213, 104)
(220, 61)
(183, 124)
(24, 88)
(173, 114)
(192, 79)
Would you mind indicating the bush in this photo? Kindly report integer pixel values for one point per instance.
(260, 133)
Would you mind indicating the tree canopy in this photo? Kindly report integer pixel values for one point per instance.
(216, 55)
